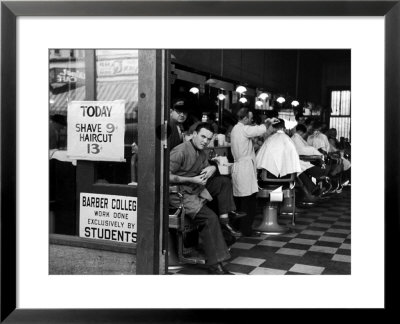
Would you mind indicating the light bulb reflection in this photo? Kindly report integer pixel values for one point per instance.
(259, 103)
(221, 97)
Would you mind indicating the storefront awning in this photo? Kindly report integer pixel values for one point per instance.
(105, 91)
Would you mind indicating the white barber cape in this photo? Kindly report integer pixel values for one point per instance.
(244, 173)
(303, 148)
(278, 155)
(319, 140)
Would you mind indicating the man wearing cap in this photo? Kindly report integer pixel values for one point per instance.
(244, 173)
(178, 115)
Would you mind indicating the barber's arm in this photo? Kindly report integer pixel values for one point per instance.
(252, 131)
(268, 123)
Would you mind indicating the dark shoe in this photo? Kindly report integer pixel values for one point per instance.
(251, 234)
(236, 214)
(229, 228)
(333, 189)
(325, 187)
(309, 199)
(319, 191)
(339, 189)
(218, 269)
(195, 256)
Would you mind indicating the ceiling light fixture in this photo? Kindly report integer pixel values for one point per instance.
(211, 81)
(281, 100)
(259, 103)
(241, 89)
(263, 96)
(243, 100)
(295, 103)
(194, 90)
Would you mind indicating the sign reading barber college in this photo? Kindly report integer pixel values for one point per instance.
(96, 130)
(108, 217)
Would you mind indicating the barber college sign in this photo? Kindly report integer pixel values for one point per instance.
(108, 217)
(96, 130)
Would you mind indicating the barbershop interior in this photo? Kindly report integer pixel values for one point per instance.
(296, 218)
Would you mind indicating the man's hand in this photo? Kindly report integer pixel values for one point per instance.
(207, 172)
(271, 121)
(200, 179)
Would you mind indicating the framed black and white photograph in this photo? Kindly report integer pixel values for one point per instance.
(149, 146)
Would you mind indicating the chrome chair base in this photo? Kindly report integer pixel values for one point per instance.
(269, 223)
(173, 259)
(175, 267)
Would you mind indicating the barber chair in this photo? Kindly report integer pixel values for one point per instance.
(183, 236)
(267, 184)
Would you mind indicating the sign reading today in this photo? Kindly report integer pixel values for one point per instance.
(108, 217)
(96, 130)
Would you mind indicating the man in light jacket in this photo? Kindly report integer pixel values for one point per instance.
(244, 173)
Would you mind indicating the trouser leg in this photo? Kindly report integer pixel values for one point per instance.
(307, 182)
(247, 204)
(214, 246)
(317, 172)
(346, 175)
(220, 187)
(336, 174)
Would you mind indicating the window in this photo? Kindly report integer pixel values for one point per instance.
(341, 113)
(117, 78)
(66, 83)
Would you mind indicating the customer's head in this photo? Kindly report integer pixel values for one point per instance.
(317, 125)
(300, 118)
(245, 116)
(279, 125)
(202, 135)
(331, 133)
(309, 122)
(179, 110)
(301, 130)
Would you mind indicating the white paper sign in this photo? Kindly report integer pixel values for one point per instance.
(96, 130)
(108, 217)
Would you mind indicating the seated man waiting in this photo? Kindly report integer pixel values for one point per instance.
(189, 167)
(315, 171)
(278, 154)
(336, 147)
(320, 141)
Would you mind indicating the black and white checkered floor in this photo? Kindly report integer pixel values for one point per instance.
(319, 244)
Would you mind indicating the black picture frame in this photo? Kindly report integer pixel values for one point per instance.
(10, 10)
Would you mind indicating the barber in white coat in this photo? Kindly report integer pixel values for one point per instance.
(244, 172)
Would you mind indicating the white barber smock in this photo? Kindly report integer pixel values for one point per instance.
(303, 148)
(278, 155)
(244, 173)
